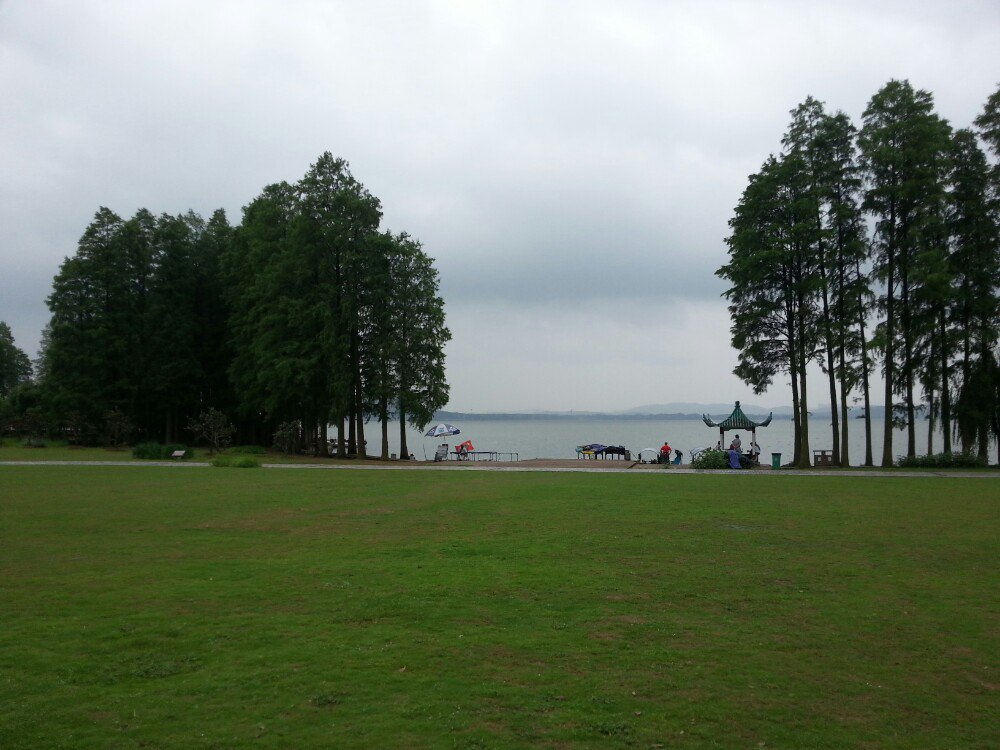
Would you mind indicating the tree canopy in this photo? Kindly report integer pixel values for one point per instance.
(306, 313)
(874, 241)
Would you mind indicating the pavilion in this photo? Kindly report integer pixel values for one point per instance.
(737, 421)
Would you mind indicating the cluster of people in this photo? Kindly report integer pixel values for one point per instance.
(736, 456)
(737, 445)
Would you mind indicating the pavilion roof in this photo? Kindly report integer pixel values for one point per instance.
(737, 420)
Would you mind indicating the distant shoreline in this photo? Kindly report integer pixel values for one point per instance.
(878, 412)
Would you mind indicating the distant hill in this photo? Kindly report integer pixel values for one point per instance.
(671, 411)
(686, 407)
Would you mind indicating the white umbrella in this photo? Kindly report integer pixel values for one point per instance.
(442, 429)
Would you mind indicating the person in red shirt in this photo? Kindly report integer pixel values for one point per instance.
(665, 452)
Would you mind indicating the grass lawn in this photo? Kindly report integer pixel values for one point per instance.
(12, 450)
(291, 609)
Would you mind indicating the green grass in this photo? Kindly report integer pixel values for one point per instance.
(227, 461)
(59, 451)
(286, 609)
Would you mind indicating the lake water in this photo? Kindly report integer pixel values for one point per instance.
(558, 438)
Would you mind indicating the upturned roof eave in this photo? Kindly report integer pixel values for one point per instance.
(737, 420)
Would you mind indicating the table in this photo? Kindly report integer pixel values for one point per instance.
(475, 455)
(486, 456)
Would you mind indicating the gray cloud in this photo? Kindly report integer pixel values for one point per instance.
(553, 157)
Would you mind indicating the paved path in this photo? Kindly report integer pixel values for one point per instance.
(474, 467)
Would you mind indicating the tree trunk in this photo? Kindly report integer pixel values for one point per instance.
(357, 390)
(403, 450)
(804, 459)
(985, 431)
(930, 422)
(359, 410)
(352, 435)
(865, 388)
(906, 323)
(309, 427)
(324, 436)
(383, 409)
(834, 412)
(845, 453)
(831, 372)
(341, 452)
(842, 324)
(890, 353)
(945, 388)
(793, 373)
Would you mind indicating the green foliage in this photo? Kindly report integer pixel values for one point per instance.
(294, 316)
(977, 408)
(236, 462)
(711, 459)
(156, 451)
(905, 149)
(942, 461)
(118, 427)
(15, 367)
(335, 319)
(286, 437)
(988, 122)
(249, 450)
(137, 326)
(213, 427)
(805, 283)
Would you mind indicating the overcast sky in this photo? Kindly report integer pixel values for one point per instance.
(570, 165)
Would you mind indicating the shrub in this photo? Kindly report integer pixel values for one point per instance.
(248, 450)
(155, 451)
(286, 437)
(236, 462)
(118, 427)
(214, 427)
(711, 459)
(942, 461)
(147, 450)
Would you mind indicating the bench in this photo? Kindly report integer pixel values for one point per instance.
(822, 457)
(178, 454)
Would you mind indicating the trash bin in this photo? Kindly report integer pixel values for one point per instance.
(775, 461)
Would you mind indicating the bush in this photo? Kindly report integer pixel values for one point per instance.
(711, 459)
(214, 427)
(248, 450)
(155, 451)
(118, 427)
(286, 437)
(942, 461)
(236, 462)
